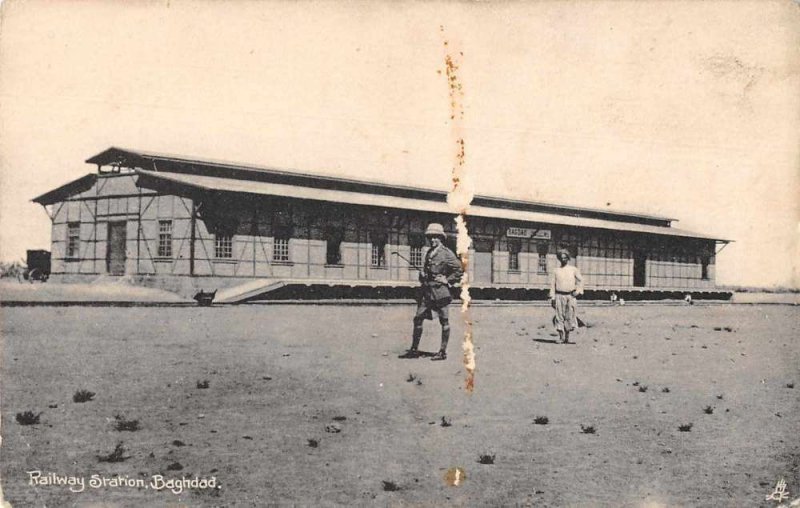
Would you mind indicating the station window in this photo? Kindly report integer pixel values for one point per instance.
(333, 255)
(378, 250)
(417, 242)
(280, 246)
(542, 249)
(73, 239)
(223, 246)
(165, 238)
(513, 255)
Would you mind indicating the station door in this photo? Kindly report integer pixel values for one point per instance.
(482, 261)
(116, 257)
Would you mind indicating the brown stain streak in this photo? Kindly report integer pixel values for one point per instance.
(456, 96)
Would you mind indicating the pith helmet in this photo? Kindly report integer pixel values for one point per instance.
(563, 252)
(435, 229)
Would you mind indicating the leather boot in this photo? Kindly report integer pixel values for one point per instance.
(442, 354)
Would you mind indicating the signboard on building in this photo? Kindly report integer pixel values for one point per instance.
(539, 234)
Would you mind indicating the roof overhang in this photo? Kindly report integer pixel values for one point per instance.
(82, 184)
(191, 184)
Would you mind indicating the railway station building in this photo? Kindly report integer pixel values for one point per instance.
(254, 233)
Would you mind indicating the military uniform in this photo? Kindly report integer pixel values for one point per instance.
(434, 294)
(440, 270)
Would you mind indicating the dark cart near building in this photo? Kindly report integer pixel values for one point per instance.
(38, 265)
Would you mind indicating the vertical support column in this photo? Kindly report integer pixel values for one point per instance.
(138, 232)
(193, 237)
(94, 247)
(309, 218)
(254, 233)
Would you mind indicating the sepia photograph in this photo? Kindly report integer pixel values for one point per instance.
(396, 253)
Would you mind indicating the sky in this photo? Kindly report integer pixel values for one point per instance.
(684, 109)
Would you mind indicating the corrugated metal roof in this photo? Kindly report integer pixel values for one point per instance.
(148, 160)
(211, 183)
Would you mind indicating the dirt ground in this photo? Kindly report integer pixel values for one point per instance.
(279, 376)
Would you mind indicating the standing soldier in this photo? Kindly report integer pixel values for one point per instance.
(440, 270)
(565, 285)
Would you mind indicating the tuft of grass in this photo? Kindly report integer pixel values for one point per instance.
(686, 427)
(389, 486)
(118, 455)
(178, 443)
(719, 396)
(636, 383)
(123, 425)
(665, 390)
(419, 382)
(541, 420)
(445, 422)
(588, 429)
(83, 396)
(333, 429)
(411, 378)
(202, 385)
(708, 410)
(175, 466)
(789, 385)
(642, 388)
(313, 443)
(485, 458)
(28, 418)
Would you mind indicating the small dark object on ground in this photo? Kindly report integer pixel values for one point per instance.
(333, 428)
(313, 443)
(665, 390)
(643, 388)
(116, 456)
(202, 385)
(178, 443)
(686, 428)
(485, 458)
(789, 385)
(83, 396)
(247, 437)
(708, 410)
(419, 382)
(123, 425)
(636, 383)
(390, 486)
(204, 298)
(175, 466)
(588, 429)
(541, 420)
(411, 378)
(53, 406)
(28, 418)
(445, 422)
(719, 396)
(339, 418)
